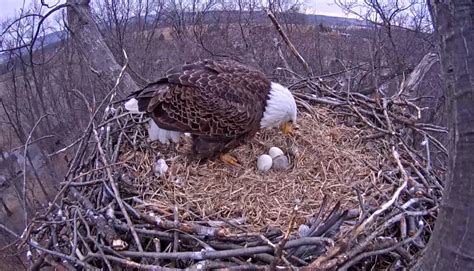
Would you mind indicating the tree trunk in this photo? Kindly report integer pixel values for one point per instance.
(91, 44)
(451, 246)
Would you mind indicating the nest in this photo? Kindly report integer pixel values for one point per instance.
(331, 158)
(357, 194)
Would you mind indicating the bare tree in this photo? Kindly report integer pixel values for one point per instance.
(399, 38)
(452, 245)
(157, 34)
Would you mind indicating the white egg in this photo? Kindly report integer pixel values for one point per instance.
(264, 162)
(274, 152)
(281, 163)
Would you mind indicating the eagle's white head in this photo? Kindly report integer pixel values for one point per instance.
(280, 110)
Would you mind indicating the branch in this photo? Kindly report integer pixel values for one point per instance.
(109, 172)
(51, 252)
(184, 227)
(394, 198)
(204, 255)
(93, 47)
(289, 43)
(25, 155)
(40, 23)
(417, 75)
(381, 251)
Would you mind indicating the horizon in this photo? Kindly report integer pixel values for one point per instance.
(13, 8)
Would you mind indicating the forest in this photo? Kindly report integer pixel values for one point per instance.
(379, 173)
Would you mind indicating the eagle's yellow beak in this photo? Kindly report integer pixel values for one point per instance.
(287, 128)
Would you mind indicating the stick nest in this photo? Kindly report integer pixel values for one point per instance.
(331, 160)
(360, 192)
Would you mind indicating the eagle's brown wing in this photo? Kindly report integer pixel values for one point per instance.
(214, 99)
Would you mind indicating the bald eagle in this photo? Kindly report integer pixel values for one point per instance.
(221, 103)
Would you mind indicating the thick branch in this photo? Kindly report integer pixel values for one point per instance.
(90, 42)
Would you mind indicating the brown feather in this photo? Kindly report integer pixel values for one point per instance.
(220, 103)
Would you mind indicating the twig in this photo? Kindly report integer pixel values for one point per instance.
(363, 213)
(25, 158)
(279, 248)
(32, 142)
(119, 77)
(330, 261)
(392, 200)
(51, 252)
(131, 264)
(69, 146)
(38, 28)
(185, 227)
(283, 59)
(387, 118)
(264, 257)
(321, 100)
(166, 236)
(117, 192)
(104, 161)
(175, 234)
(380, 251)
(93, 240)
(204, 255)
(288, 42)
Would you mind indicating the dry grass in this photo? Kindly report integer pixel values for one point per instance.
(331, 160)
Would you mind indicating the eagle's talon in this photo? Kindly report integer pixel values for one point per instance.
(229, 159)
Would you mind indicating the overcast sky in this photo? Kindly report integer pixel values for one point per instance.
(324, 7)
(9, 8)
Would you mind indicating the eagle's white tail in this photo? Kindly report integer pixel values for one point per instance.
(154, 132)
(164, 136)
(132, 105)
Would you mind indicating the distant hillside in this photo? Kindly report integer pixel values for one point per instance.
(218, 16)
(213, 17)
(333, 21)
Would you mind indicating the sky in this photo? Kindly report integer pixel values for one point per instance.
(326, 7)
(11, 8)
